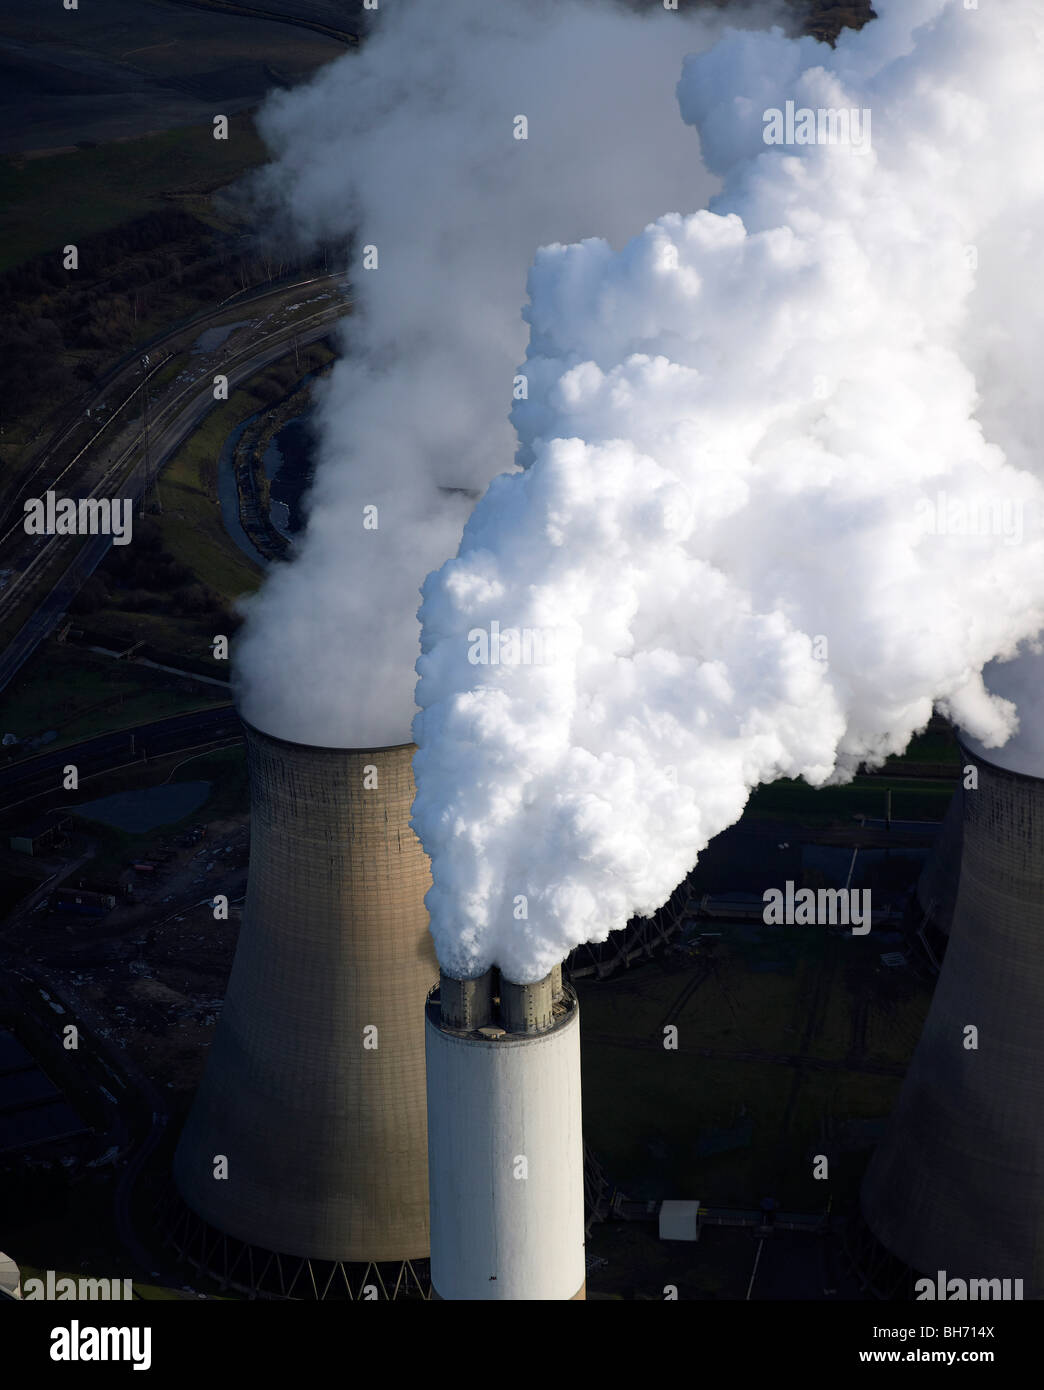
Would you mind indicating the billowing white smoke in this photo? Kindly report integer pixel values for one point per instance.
(762, 527)
(410, 143)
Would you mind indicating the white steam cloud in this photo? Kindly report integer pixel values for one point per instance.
(781, 490)
(410, 144)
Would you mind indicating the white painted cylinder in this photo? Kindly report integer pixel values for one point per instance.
(506, 1162)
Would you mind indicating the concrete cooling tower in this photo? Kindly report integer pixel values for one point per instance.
(505, 1139)
(304, 1157)
(957, 1184)
(937, 885)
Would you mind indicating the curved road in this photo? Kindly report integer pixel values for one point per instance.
(170, 427)
(178, 733)
(125, 375)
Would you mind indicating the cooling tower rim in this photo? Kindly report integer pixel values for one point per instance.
(998, 768)
(321, 747)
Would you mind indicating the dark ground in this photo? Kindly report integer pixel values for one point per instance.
(117, 69)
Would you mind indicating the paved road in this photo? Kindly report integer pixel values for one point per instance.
(176, 734)
(123, 380)
(172, 424)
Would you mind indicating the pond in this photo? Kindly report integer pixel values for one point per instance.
(289, 465)
(147, 808)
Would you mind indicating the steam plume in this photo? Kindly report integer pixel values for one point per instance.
(771, 453)
(410, 143)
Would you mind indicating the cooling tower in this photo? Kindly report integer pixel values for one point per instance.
(937, 885)
(314, 1086)
(957, 1184)
(505, 1141)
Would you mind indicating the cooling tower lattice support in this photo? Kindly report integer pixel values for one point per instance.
(957, 1183)
(266, 1274)
(313, 1093)
(639, 940)
(505, 1140)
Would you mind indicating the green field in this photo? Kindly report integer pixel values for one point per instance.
(933, 746)
(225, 769)
(675, 1104)
(911, 800)
(48, 202)
(79, 694)
(193, 530)
(727, 1129)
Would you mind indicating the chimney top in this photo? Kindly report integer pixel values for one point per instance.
(494, 1007)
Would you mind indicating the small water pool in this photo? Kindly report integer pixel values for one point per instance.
(145, 809)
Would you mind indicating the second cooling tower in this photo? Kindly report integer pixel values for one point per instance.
(505, 1140)
(307, 1136)
(957, 1183)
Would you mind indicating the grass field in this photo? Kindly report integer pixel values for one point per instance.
(169, 371)
(80, 694)
(911, 800)
(193, 531)
(652, 1121)
(179, 638)
(933, 746)
(192, 528)
(729, 1130)
(47, 203)
(224, 769)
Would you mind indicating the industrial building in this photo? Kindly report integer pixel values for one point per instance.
(957, 1183)
(40, 835)
(505, 1142)
(303, 1162)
